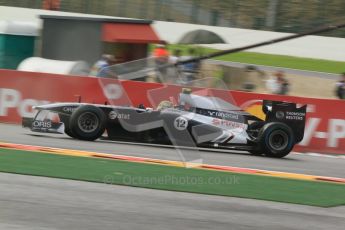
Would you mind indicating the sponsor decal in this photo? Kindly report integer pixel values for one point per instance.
(69, 109)
(112, 91)
(280, 115)
(298, 116)
(113, 115)
(180, 123)
(223, 115)
(212, 113)
(42, 124)
(254, 107)
(12, 99)
(227, 124)
(333, 135)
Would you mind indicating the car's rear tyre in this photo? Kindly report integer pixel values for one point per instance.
(87, 123)
(276, 140)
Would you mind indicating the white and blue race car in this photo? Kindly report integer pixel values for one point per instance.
(196, 121)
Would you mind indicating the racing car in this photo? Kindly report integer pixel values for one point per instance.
(194, 121)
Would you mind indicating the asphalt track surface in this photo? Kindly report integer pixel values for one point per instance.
(295, 163)
(38, 203)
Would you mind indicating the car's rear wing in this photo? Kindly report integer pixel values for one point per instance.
(288, 113)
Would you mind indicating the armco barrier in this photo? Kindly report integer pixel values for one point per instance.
(19, 91)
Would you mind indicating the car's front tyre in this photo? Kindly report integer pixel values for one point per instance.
(65, 119)
(87, 123)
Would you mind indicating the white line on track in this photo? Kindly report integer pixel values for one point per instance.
(338, 156)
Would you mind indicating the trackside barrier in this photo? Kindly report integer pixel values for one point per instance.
(19, 91)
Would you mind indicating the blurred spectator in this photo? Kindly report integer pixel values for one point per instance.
(249, 84)
(191, 66)
(172, 70)
(176, 55)
(100, 68)
(161, 55)
(190, 69)
(51, 5)
(278, 84)
(340, 87)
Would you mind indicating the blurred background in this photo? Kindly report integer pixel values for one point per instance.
(274, 15)
(310, 67)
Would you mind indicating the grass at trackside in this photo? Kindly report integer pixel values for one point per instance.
(272, 60)
(172, 178)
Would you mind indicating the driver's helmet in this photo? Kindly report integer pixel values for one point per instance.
(165, 105)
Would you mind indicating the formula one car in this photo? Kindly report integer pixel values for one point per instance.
(196, 121)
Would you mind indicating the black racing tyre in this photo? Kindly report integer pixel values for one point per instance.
(69, 132)
(87, 123)
(276, 139)
(65, 120)
(254, 130)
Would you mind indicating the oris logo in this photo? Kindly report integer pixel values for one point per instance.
(42, 124)
(68, 109)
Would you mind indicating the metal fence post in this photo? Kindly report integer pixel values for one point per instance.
(158, 9)
(195, 11)
(271, 14)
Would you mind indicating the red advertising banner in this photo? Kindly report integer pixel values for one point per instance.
(19, 91)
